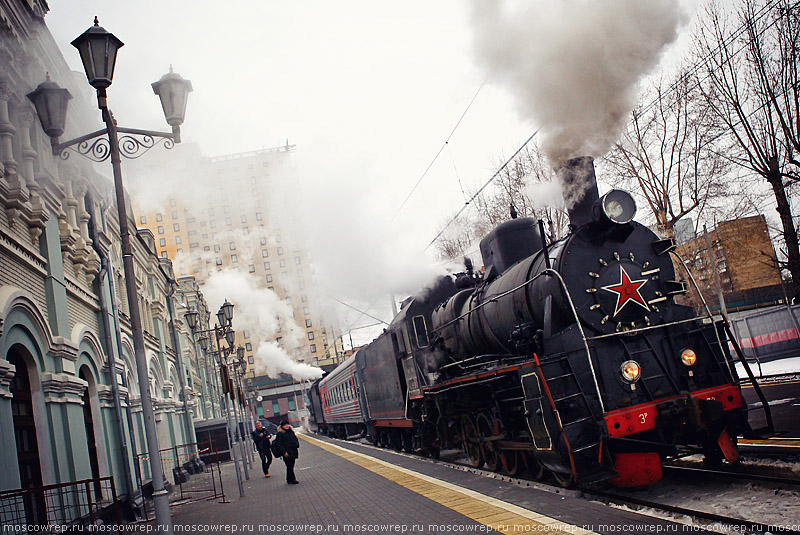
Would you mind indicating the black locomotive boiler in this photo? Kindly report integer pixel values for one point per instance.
(570, 357)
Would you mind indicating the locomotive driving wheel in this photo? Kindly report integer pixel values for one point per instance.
(512, 462)
(488, 429)
(471, 441)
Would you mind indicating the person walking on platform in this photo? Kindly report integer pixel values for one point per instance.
(261, 442)
(285, 446)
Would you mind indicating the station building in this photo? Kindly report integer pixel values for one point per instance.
(70, 407)
(742, 259)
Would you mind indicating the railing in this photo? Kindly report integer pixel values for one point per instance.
(64, 505)
(196, 473)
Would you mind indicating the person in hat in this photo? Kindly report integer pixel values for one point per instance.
(286, 447)
(261, 438)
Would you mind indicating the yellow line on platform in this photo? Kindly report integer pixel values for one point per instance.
(496, 514)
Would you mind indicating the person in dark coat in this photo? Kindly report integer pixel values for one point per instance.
(261, 442)
(286, 447)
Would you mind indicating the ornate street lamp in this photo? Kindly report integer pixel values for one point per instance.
(173, 91)
(227, 311)
(203, 341)
(191, 319)
(98, 50)
(240, 353)
(50, 102)
(230, 337)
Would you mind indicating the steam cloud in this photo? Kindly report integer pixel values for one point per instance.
(260, 312)
(573, 66)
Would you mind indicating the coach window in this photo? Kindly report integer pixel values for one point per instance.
(420, 331)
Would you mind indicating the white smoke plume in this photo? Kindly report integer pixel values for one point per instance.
(573, 66)
(260, 312)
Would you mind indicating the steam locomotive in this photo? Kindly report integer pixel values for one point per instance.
(569, 357)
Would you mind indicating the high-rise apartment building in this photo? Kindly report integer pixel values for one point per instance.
(242, 212)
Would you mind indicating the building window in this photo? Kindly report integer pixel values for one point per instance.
(280, 250)
(310, 336)
(256, 204)
(158, 216)
(306, 311)
(234, 259)
(275, 407)
(248, 346)
(304, 298)
(244, 219)
(213, 224)
(313, 348)
(210, 210)
(177, 239)
(227, 209)
(263, 240)
(180, 251)
(143, 220)
(308, 323)
(297, 260)
(216, 248)
(161, 230)
(176, 227)
(266, 265)
(264, 253)
(291, 405)
(172, 202)
(174, 214)
(250, 359)
(163, 254)
(259, 217)
(162, 242)
(283, 263)
(228, 221)
(232, 245)
(269, 277)
(219, 261)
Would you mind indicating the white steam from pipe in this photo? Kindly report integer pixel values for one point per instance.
(573, 66)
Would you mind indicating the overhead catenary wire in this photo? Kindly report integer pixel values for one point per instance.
(480, 190)
(438, 153)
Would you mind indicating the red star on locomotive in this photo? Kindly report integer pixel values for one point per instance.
(627, 290)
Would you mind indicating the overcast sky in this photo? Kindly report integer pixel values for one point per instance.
(368, 91)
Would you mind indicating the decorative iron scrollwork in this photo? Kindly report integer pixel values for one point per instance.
(131, 146)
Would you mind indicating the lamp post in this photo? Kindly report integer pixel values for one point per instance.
(98, 50)
(238, 368)
(223, 330)
(231, 365)
(191, 319)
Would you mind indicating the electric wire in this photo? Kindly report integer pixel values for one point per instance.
(438, 153)
(480, 190)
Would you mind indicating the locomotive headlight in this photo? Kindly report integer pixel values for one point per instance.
(630, 371)
(688, 357)
(618, 206)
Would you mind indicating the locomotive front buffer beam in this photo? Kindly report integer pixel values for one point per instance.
(701, 418)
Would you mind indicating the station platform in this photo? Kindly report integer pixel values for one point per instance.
(348, 487)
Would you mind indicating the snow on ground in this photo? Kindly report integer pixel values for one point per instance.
(776, 367)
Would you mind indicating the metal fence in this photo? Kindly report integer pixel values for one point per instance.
(63, 506)
(196, 473)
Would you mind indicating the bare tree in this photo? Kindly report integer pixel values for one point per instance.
(527, 183)
(669, 154)
(751, 83)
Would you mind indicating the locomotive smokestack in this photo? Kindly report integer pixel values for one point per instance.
(579, 189)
